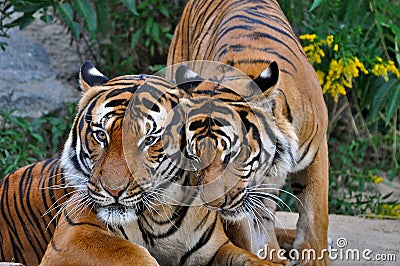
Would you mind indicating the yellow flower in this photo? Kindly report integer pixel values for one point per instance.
(329, 40)
(336, 47)
(377, 179)
(340, 76)
(314, 53)
(391, 210)
(321, 77)
(383, 68)
(308, 37)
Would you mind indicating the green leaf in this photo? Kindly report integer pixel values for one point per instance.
(67, 14)
(86, 11)
(156, 33)
(379, 98)
(164, 11)
(131, 5)
(102, 16)
(46, 18)
(315, 4)
(29, 7)
(75, 29)
(393, 101)
(148, 26)
(136, 37)
(22, 21)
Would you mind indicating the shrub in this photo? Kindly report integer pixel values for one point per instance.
(24, 141)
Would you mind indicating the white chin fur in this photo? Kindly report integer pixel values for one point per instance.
(115, 217)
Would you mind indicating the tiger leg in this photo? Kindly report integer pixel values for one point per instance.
(286, 238)
(257, 235)
(86, 241)
(230, 254)
(311, 187)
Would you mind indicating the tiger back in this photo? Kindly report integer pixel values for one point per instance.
(30, 198)
(251, 36)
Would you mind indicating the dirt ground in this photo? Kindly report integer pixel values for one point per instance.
(350, 236)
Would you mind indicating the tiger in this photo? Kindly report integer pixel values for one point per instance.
(135, 184)
(255, 38)
(32, 196)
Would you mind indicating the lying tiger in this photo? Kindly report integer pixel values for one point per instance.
(115, 211)
(285, 134)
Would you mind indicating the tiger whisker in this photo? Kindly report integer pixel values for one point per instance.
(259, 187)
(258, 203)
(64, 206)
(279, 200)
(51, 208)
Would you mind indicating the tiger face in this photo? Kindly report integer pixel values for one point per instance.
(93, 158)
(234, 141)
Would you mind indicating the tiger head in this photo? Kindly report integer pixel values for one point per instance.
(233, 137)
(107, 173)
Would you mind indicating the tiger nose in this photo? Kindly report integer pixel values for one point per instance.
(114, 189)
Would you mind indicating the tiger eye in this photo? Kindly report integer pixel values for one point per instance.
(149, 140)
(101, 136)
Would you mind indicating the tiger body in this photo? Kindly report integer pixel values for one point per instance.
(30, 198)
(250, 36)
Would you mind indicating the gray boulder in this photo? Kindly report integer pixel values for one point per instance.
(28, 83)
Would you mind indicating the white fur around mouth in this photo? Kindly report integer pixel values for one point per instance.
(116, 214)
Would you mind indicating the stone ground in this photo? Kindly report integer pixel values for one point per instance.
(348, 233)
(379, 236)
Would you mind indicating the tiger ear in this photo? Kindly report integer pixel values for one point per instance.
(186, 79)
(89, 76)
(268, 79)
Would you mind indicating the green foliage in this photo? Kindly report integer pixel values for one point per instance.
(368, 111)
(126, 36)
(355, 177)
(24, 141)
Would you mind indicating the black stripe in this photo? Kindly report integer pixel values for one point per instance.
(311, 138)
(53, 245)
(72, 223)
(31, 219)
(202, 241)
(297, 188)
(211, 262)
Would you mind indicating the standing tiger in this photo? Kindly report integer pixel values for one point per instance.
(255, 38)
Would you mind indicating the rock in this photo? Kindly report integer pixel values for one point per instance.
(28, 83)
